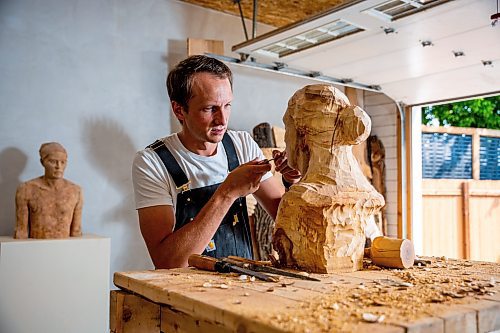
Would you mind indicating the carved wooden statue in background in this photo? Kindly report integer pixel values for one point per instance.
(321, 219)
(49, 206)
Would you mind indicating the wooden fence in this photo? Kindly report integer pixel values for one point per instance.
(461, 217)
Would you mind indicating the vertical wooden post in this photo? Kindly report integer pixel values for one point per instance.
(476, 144)
(400, 176)
(409, 171)
(466, 221)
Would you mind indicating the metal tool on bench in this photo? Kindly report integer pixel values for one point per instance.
(258, 266)
(220, 265)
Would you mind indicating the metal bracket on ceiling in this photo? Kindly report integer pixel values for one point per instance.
(254, 18)
(279, 67)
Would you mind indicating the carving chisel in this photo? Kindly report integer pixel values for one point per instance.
(257, 266)
(218, 265)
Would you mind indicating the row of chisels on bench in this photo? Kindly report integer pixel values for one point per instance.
(259, 269)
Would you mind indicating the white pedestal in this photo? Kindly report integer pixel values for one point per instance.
(54, 285)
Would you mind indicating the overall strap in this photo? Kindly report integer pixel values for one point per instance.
(179, 177)
(171, 164)
(232, 158)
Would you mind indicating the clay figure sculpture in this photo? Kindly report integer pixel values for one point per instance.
(49, 206)
(321, 219)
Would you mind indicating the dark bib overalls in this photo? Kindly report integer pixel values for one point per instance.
(233, 235)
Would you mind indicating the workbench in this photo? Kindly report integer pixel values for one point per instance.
(442, 295)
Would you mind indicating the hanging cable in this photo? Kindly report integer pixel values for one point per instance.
(254, 26)
(242, 18)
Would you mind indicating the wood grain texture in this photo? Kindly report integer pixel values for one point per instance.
(444, 296)
(321, 219)
(272, 12)
(202, 46)
(133, 314)
(392, 252)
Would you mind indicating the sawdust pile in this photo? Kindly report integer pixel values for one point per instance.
(421, 291)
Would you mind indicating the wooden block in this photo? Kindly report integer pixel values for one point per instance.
(392, 252)
(180, 322)
(130, 314)
(488, 315)
(460, 320)
(376, 328)
(202, 46)
(424, 325)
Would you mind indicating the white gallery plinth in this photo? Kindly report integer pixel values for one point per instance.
(54, 285)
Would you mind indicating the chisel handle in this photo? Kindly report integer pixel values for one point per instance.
(250, 261)
(203, 262)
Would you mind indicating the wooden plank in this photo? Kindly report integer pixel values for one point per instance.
(461, 130)
(180, 322)
(202, 46)
(133, 314)
(378, 99)
(484, 193)
(399, 177)
(442, 193)
(466, 220)
(336, 303)
(476, 145)
(448, 130)
(424, 325)
(442, 216)
(488, 315)
(409, 165)
(485, 228)
(386, 119)
(243, 305)
(459, 320)
(213, 304)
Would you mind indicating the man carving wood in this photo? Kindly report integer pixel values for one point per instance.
(49, 206)
(320, 226)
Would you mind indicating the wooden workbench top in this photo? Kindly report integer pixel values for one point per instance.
(444, 296)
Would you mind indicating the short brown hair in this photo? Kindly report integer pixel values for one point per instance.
(180, 79)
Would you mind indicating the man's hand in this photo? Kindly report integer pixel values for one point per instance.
(245, 179)
(290, 174)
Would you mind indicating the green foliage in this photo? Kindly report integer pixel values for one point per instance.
(482, 113)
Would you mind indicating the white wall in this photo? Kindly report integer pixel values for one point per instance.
(383, 112)
(90, 74)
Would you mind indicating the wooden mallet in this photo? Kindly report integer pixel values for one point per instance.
(391, 252)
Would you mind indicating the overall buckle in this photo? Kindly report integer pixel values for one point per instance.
(183, 188)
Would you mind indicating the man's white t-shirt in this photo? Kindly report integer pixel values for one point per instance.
(153, 184)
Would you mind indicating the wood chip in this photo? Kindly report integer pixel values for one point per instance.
(372, 318)
(334, 306)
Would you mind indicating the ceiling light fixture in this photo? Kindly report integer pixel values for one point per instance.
(487, 63)
(426, 43)
(495, 18)
(279, 65)
(389, 30)
(458, 54)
